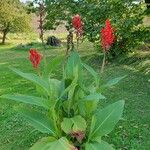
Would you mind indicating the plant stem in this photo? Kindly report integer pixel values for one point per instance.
(77, 42)
(103, 63)
(90, 128)
(55, 121)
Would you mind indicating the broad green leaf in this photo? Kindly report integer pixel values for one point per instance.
(52, 144)
(86, 107)
(98, 146)
(73, 66)
(54, 86)
(54, 89)
(39, 121)
(94, 96)
(70, 87)
(61, 144)
(34, 78)
(53, 64)
(92, 72)
(41, 91)
(113, 81)
(90, 106)
(74, 124)
(106, 119)
(97, 139)
(89, 103)
(43, 144)
(28, 100)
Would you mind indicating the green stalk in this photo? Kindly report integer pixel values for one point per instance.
(103, 63)
(55, 122)
(77, 43)
(91, 126)
(69, 107)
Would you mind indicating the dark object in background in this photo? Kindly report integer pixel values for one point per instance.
(53, 41)
(147, 3)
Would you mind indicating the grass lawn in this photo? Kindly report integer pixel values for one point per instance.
(132, 132)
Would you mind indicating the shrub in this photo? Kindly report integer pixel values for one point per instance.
(126, 17)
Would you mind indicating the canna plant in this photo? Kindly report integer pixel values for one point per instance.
(107, 39)
(70, 116)
(78, 28)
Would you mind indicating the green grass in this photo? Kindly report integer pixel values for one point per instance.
(132, 132)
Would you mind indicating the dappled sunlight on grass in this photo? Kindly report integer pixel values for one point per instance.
(4, 63)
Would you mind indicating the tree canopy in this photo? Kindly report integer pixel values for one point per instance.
(126, 17)
(13, 17)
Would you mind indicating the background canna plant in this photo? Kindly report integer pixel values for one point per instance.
(78, 28)
(107, 39)
(70, 115)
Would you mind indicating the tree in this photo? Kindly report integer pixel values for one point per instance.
(13, 18)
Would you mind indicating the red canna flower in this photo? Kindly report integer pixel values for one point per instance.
(34, 57)
(76, 22)
(107, 36)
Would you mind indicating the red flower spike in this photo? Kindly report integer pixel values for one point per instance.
(107, 36)
(34, 57)
(77, 24)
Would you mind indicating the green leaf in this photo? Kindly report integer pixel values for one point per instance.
(74, 124)
(39, 121)
(54, 86)
(54, 90)
(89, 103)
(94, 96)
(106, 119)
(98, 146)
(53, 64)
(92, 72)
(70, 87)
(73, 66)
(41, 91)
(28, 100)
(43, 143)
(61, 144)
(113, 81)
(34, 78)
(90, 107)
(51, 144)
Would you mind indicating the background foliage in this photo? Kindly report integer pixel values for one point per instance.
(126, 18)
(13, 18)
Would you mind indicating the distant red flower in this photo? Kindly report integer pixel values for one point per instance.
(107, 36)
(34, 57)
(76, 22)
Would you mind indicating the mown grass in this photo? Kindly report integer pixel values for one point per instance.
(132, 132)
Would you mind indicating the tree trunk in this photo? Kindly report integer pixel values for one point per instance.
(4, 37)
(5, 31)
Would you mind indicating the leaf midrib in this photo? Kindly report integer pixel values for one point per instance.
(41, 124)
(103, 121)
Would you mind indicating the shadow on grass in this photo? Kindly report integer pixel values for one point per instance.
(137, 62)
(36, 45)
